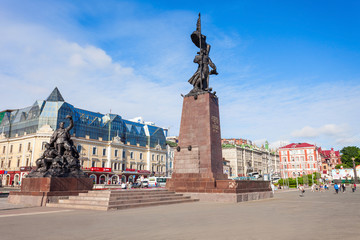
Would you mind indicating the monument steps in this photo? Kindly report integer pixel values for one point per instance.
(121, 199)
(125, 197)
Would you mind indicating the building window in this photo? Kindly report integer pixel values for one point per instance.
(141, 157)
(4, 148)
(157, 157)
(124, 154)
(2, 163)
(79, 148)
(29, 146)
(152, 157)
(18, 163)
(162, 158)
(11, 148)
(94, 150)
(132, 155)
(116, 153)
(123, 166)
(9, 163)
(27, 162)
(20, 146)
(93, 164)
(104, 152)
(43, 145)
(103, 164)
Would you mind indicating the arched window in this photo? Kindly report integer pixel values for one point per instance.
(102, 179)
(93, 177)
(131, 178)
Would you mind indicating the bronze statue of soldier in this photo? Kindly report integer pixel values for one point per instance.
(200, 79)
(61, 136)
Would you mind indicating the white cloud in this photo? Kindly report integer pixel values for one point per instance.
(85, 74)
(328, 130)
(144, 74)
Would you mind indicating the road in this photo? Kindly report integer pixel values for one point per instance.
(317, 215)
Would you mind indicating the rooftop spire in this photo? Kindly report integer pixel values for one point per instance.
(55, 96)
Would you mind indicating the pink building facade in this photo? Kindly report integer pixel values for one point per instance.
(297, 159)
(329, 159)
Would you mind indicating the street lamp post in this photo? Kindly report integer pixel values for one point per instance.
(354, 167)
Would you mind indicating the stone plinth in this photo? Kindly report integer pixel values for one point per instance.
(39, 191)
(199, 139)
(198, 163)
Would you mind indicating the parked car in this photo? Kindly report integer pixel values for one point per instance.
(275, 179)
(136, 185)
(145, 183)
(157, 181)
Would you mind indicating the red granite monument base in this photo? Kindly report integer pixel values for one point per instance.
(198, 166)
(39, 191)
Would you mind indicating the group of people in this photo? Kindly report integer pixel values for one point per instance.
(338, 187)
(127, 185)
(319, 187)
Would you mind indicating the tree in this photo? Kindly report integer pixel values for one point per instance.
(348, 153)
(338, 166)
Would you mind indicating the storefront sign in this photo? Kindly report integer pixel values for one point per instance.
(130, 170)
(2, 172)
(99, 169)
(144, 171)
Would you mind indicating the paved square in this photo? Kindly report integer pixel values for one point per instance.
(317, 215)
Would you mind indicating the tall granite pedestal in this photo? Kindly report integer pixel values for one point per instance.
(39, 191)
(198, 165)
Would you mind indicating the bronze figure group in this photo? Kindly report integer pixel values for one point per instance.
(60, 158)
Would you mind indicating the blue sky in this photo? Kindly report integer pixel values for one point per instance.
(288, 70)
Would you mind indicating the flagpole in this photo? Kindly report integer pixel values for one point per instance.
(201, 55)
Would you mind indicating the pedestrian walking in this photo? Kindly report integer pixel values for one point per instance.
(353, 187)
(343, 187)
(302, 190)
(336, 187)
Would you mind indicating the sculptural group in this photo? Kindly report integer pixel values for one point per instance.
(60, 158)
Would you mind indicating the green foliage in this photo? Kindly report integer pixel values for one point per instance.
(307, 180)
(227, 146)
(171, 144)
(338, 166)
(348, 153)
